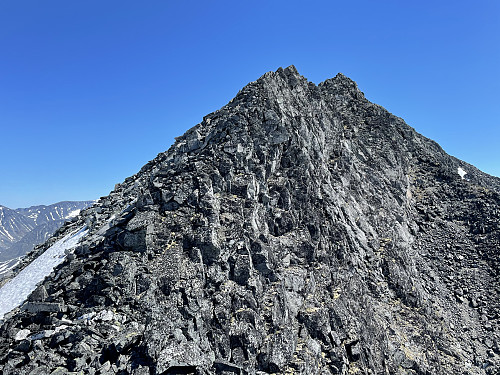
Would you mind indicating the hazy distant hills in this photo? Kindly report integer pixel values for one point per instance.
(47, 214)
(23, 228)
(13, 226)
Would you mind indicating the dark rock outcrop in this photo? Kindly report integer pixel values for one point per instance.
(299, 229)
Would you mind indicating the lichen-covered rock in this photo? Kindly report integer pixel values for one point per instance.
(299, 229)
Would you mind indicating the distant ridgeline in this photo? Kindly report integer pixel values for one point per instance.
(23, 228)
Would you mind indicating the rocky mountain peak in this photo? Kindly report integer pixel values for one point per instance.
(342, 85)
(298, 229)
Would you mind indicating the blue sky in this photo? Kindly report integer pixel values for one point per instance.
(92, 90)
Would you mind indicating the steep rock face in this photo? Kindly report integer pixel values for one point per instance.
(299, 229)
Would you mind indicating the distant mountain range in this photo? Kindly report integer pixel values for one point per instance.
(23, 228)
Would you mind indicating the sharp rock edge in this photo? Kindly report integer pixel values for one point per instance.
(298, 229)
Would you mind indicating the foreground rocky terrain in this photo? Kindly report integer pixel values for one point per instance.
(299, 229)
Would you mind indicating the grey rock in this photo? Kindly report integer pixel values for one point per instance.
(36, 307)
(298, 229)
(39, 294)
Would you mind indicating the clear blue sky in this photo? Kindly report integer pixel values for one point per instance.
(92, 90)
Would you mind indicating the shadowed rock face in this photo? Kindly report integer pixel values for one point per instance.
(299, 229)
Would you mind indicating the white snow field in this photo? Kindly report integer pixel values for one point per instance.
(17, 290)
(461, 172)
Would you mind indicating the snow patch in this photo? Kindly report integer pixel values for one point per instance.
(22, 334)
(15, 292)
(461, 172)
(7, 265)
(72, 214)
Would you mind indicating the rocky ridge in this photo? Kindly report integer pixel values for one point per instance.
(298, 229)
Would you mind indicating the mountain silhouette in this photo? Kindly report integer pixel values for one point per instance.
(300, 229)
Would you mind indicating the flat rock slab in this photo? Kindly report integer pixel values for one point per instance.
(35, 307)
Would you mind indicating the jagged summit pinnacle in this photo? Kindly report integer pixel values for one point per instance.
(289, 78)
(298, 229)
(291, 72)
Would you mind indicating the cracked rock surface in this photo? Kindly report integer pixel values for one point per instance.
(299, 229)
